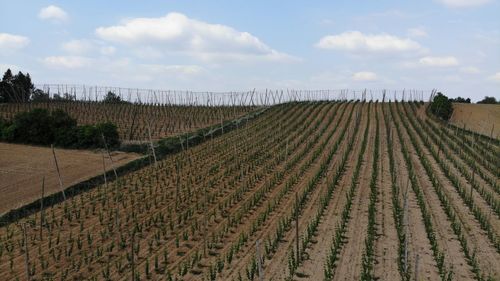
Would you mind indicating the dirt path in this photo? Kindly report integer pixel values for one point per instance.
(349, 263)
(418, 243)
(386, 246)
(320, 247)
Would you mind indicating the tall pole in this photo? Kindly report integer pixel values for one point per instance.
(41, 208)
(259, 261)
(26, 254)
(58, 173)
(297, 225)
(109, 155)
(104, 172)
(152, 146)
(132, 256)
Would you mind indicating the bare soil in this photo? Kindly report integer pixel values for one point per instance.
(22, 168)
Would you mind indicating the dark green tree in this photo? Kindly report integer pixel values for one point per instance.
(461, 100)
(488, 100)
(112, 98)
(441, 106)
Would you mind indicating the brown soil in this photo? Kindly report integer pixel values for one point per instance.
(217, 184)
(22, 168)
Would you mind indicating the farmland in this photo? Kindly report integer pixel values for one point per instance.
(306, 191)
(22, 168)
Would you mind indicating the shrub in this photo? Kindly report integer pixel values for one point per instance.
(488, 100)
(41, 127)
(441, 106)
(460, 100)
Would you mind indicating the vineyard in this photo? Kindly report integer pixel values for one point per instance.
(136, 121)
(346, 190)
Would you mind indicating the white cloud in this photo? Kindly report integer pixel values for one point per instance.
(85, 46)
(355, 41)
(77, 46)
(439, 61)
(177, 33)
(364, 76)
(70, 62)
(53, 13)
(417, 32)
(495, 77)
(173, 69)
(107, 50)
(470, 70)
(14, 68)
(10, 42)
(464, 3)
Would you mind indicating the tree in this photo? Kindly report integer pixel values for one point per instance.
(112, 98)
(488, 100)
(7, 76)
(441, 106)
(16, 88)
(460, 100)
(39, 95)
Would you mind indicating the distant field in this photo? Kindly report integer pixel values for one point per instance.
(22, 168)
(132, 119)
(481, 118)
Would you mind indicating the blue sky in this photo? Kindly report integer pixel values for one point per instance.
(451, 45)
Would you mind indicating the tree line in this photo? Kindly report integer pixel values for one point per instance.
(20, 88)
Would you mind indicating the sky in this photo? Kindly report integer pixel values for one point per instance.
(449, 45)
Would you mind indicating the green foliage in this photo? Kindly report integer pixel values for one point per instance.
(488, 100)
(42, 127)
(460, 100)
(112, 98)
(441, 106)
(16, 88)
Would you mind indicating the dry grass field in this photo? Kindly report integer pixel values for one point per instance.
(22, 168)
(480, 118)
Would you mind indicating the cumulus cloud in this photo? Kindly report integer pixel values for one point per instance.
(86, 46)
(77, 46)
(495, 77)
(173, 69)
(53, 13)
(439, 61)
(464, 3)
(469, 69)
(176, 32)
(70, 62)
(355, 41)
(10, 42)
(107, 50)
(417, 32)
(364, 76)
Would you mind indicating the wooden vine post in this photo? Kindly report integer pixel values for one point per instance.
(58, 172)
(109, 155)
(132, 262)
(297, 225)
(104, 172)
(259, 261)
(152, 146)
(41, 208)
(26, 254)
